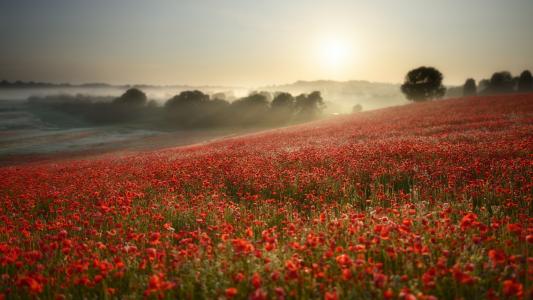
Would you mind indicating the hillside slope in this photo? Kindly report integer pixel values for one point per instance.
(429, 199)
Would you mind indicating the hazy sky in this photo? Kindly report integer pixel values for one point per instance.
(252, 42)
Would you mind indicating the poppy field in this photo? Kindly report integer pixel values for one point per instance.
(424, 201)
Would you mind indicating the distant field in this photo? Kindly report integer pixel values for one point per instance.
(422, 201)
(25, 137)
(23, 146)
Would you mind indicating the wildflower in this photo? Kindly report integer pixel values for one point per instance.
(242, 246)
(231, 292)
(34, 286)
(256, 280)
(380, 280)
(292, 269)
(249, 232)
(280, 292)
(154, 238)
(259, 294)
(388, 294)
(496, 256)
(157, 285)
(331, 296)
(151, 253)
(529, 238)
(514, 228)
(168, 227)
(344, 260)
(346, 274)
(238, 277)
(468, 220)
(512, 288)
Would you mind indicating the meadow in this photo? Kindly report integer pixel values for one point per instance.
(423, 201)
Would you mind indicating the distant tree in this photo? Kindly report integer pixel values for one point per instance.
(483, 86)
(283, 101)
(219, 96)
(423, 83)
(133, 97)
(187, 109)
(214, 113)
(128, 107)
(152, 104)
(224, 95)
(454, 92)
(309, 106)
(525, 82)
(501, 82)
(516, 80)
(469, 88)
(252, 101)
(282, 108)
(187, 99)
(357, 108)
(267, 95)
(250, 110)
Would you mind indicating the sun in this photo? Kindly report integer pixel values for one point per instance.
(333, 52)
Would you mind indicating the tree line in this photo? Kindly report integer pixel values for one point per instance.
(499, 83)
(425, 83)
(188, 109)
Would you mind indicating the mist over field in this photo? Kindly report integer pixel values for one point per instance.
(26, 128)
(340, 95)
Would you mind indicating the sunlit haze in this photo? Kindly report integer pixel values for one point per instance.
(253, 43)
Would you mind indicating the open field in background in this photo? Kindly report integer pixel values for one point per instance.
(427, 200)
(27, 136)
(29, 146)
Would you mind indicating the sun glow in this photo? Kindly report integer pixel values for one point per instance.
(334, 54)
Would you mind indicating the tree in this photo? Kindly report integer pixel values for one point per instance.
(501, 82)
(525, 82)
(483, 86)
(282, 108)
(133, 97)
(267, 95)
(187, 99)
(469, 89)
(250, 110)
(423, 83)
(129, 106)
(309, 106)
(253, 101)
(187, 109)
(283, 101)
(219, 96)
